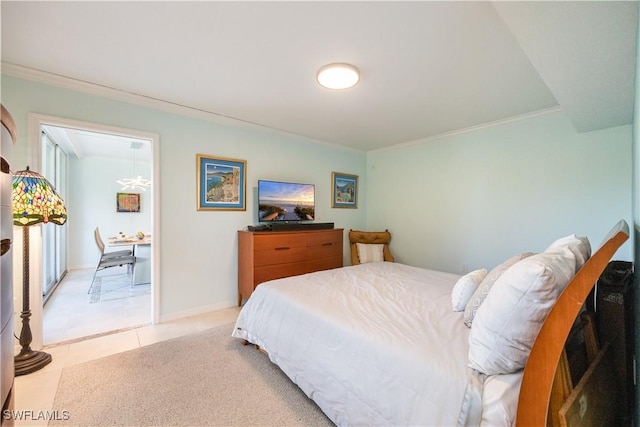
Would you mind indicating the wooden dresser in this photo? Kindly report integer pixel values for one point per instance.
(7, 140)
(267, 255)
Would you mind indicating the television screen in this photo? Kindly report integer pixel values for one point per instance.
(285, 201)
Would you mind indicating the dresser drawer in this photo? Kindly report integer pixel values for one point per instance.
(327, 249)
(268, 240)
(318, 239)
(279, 255)
(325, 263)
(278, 271)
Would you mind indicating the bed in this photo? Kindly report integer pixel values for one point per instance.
(380, 344)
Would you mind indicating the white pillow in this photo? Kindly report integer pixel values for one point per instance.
(508, 321)
(465, 287)
(370, 252)
(485, 286)
(580, 247)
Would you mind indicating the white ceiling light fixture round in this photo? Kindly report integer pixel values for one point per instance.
(338, 76)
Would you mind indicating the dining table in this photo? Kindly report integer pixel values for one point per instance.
(141, 249)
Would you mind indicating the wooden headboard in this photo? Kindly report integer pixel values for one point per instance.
(545, 355)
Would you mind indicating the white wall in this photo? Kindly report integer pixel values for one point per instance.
(473, 199)
(91, 203)
(470, 199)
(198, 249)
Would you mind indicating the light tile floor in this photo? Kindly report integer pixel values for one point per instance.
(113, 304)
(36, 391)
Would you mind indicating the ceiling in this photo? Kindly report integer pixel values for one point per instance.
(427, 68)
(82, 143)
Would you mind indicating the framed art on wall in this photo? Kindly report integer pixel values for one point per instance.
(344, 190)
(128, 202)
(221, 183)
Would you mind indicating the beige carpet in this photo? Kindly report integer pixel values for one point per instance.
(205, 379)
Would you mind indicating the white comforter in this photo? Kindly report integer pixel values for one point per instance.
(372, 344)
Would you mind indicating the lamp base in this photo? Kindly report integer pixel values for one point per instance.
(30, 361)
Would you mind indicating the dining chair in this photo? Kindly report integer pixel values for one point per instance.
(107, 255)
(128, 260)
(112, 259)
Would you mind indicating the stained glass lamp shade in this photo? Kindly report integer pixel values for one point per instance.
(35, 201)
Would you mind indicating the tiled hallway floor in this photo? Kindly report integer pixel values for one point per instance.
(113, 304)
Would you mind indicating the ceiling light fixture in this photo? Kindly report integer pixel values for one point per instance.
(338, 76)
(138, 182)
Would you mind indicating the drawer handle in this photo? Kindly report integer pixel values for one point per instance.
(327, 244)
(283, 248)
(5, 245)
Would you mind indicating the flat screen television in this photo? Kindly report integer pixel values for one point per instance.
(285, 201)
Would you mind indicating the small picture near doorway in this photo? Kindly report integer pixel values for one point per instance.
(128, 202)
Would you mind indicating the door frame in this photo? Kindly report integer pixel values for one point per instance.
(34, 158)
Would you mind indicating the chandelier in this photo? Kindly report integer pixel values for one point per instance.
(137, 182)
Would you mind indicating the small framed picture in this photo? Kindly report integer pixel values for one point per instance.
(128, 202)
(344, 190)
(221, 183)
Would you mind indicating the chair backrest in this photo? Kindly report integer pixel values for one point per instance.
(370, 237)
(99, 242)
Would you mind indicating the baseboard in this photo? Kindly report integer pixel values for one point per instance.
(197, 311)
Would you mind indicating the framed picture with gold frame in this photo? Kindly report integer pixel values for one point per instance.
(344, 190)
(128, 202)
(221, 183)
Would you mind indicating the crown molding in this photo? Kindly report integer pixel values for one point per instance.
(104, 91)
(471, 129)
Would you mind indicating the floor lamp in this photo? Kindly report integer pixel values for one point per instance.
(35, 201)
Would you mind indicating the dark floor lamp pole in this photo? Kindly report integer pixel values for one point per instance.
(34, 201)
(27, 360)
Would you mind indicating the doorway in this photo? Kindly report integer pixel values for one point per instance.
(95, 153)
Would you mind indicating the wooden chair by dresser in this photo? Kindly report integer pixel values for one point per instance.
(370, 237)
